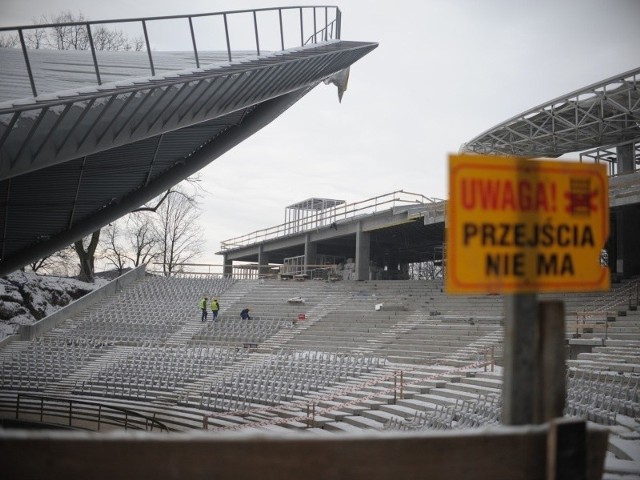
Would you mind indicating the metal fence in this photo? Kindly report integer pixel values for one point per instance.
(66, 411)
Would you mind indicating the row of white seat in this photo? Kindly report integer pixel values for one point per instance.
(283, 376)
(600, 397)
(46, 360)
(143, 372)
(485, 410)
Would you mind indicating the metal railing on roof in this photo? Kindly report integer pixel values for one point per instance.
(329, 216)
(626, 296)
(322, 21)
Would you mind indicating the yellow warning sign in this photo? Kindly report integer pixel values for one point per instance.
(517, 225)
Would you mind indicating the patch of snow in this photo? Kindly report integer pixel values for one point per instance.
(44, 295)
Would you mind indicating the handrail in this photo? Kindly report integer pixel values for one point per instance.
(331, 30)
(324, 31)
(328, 216)
(149, 422)
(163, 17)
(248, 270)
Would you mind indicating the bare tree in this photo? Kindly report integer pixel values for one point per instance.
(143, 243)
(86, 255)
(113, 248)
(57, 263)
(138, 44)
(36, 38)
(75, 37)
(68, 37)
(179, 239)
(9, 41)
(106, 39)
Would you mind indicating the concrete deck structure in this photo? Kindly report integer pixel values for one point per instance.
(382, 235)
(401, 230)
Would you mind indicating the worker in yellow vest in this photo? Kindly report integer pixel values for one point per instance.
(215, 306)
(203, 306)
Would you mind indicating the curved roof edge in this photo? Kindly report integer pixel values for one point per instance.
(603, 113)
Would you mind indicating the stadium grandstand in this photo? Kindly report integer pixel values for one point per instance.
(354, 364)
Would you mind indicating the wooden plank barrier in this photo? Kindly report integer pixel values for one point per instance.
(513, 452)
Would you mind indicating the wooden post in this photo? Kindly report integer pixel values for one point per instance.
(401, 384)
(493, 358)
(395, 388)
(551, 370)
(521, 316)
(566, 450)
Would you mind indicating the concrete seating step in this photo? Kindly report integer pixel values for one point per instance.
(474, 389)
(342, 427)
(380, 415)
(337, 415)
(364, 422)
(399, 409)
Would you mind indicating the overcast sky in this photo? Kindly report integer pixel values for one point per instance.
(445, 71)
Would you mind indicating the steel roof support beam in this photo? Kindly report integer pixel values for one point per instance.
(261, 116)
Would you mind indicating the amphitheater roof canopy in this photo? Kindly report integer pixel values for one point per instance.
(86, 136)
(603, 114)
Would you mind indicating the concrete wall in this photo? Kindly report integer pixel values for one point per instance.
(29, 332)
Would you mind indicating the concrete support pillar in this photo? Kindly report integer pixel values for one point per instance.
(404, 271)
(227, 269)
(263, 261)
(627, 238)
(310, 252)
(363, 250)
(625, 158)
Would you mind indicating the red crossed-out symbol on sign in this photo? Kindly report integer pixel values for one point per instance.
(580, 197)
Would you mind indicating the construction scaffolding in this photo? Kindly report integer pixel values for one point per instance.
(325, 268)
(310, 213)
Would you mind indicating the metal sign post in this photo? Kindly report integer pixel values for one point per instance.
(518, 389)
(519, 227)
